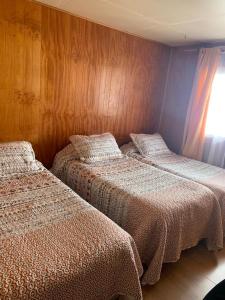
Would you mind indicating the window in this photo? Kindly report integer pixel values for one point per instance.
(215, 125)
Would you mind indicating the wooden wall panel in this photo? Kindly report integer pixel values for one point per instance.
(65, 75)
(182, 66)
(20, 60)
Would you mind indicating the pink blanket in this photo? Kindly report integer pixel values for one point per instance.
(208, 175)
(163, 213)
(54, 245)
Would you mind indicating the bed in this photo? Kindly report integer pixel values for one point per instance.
(161, 157)
(164, 213)
(54, 245)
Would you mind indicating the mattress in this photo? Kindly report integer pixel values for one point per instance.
(203, 173)
(164, 213)
(54, 245)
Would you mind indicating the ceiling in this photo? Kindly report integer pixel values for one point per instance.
(172, 22)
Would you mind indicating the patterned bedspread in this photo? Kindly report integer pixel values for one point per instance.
(208, 175)
(54, 245)
(164, 213)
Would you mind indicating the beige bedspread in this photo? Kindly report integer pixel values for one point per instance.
(206, 174)
(164, 213)
(54, 245)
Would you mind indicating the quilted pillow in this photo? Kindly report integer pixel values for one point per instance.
(17, 157)
(95, 148)
(62, 158)
(149, 144)
(129, 149)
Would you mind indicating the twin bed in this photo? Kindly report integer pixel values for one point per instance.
(160, 156)
(55, 245)
(164, 213)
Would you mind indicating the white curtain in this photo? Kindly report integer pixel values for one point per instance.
(214, 149)
(196, 119)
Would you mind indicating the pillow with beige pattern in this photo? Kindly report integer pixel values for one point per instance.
(149, 144)
(129, 149)
(94, 148)
(17, 157)
(62, 158)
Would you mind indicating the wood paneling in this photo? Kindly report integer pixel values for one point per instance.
(20, 61)
(182, 66)
(62, 75)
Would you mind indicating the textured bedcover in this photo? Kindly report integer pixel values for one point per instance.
(206, 174)
(164, 213)
(54, 245)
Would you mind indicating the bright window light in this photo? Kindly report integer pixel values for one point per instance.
(215, 125)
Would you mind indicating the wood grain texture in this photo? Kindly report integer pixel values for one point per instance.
(20, 60)
(182, 66)
(62, 75)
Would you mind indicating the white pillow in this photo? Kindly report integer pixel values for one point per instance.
(17, 157)
(129, 149)
(95, 148)
(149, 144)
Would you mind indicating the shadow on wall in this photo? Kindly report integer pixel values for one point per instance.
(182, 66)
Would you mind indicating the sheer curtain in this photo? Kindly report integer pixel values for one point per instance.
(194, 133)
(214, 152)
(204, 135)
(214, 149)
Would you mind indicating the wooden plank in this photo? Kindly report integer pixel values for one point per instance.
(192, 277)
